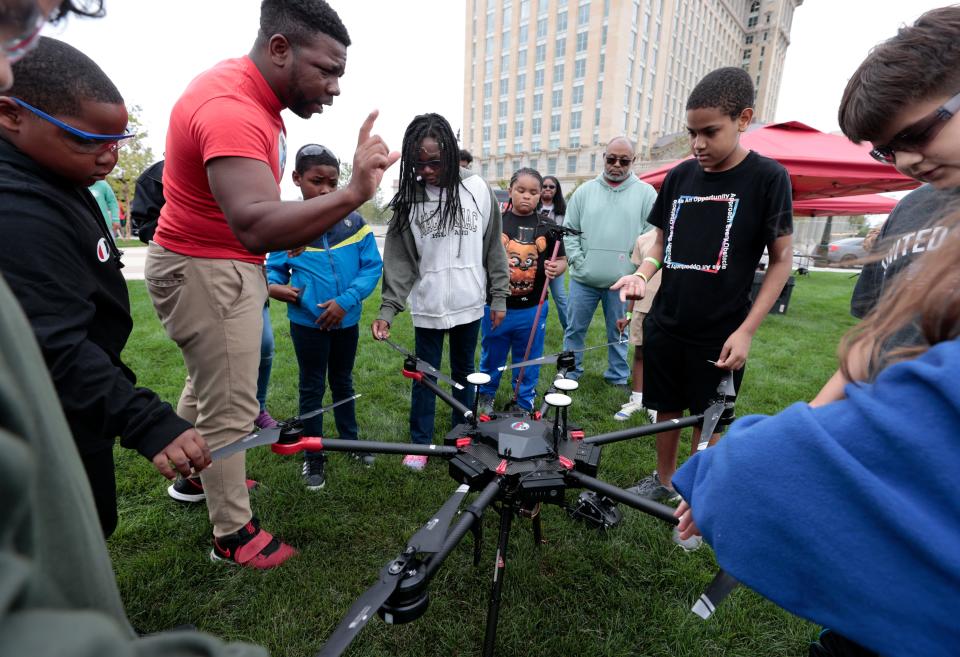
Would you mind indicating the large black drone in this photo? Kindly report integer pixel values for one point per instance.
(516, 461)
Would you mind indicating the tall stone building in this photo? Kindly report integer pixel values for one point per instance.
(548, 82)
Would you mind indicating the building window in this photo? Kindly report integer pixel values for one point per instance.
(487, 111)
(523, 34)
(502, 131)
(560, 48)
(580, 69)
(752, 21)
(599, 89)
(535, 127)
(557, 73)
(593, 161)
(596, 118)
(574, 141)
(504, 86)
(486, 133)
(502, 109)
(519, 106)
(484, 170)
(555, 123)
(754, 7)
(541, 28)
(507, 15)
(749, 39)
(582, 41)
(554, 143)
(747, 53)
(571, 163)
(552, 166)
(541, 53)
(557, 98)
(488, 69)
(583, 14)
(522, 58)
(487, 89)
(538, 79)
(518, 128)
(575, 118)
(533, 163)
(577, 95)
(537, 102)
(561, 21)
(504, 61)
(500, 169)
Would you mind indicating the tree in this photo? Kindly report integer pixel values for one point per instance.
(134, 157)
(374, 210)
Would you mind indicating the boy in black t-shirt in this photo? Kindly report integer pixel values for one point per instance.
(713, 217)
(529, 244)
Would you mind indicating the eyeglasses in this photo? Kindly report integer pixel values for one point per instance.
(624, 161)
(16, 48)
(419, 165)
(549, 186)
(916, 136)
(89, 143)
(315, 150)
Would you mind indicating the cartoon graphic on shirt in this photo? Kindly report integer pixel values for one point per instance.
(703, 244)
(523, 255)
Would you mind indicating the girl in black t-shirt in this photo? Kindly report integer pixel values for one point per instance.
(532, 259)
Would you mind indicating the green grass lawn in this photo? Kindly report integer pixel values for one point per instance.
(626, 592)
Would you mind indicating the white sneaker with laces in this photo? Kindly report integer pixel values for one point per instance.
(689, 544)
(634, 405)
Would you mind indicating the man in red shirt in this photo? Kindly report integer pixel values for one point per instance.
(225, 153)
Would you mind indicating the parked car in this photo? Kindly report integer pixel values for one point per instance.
(845, 252)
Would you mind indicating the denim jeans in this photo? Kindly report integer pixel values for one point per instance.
(266, 359)
(512, 336)
(558, 294)
(582, 304)
(326, 355)
(429, 347)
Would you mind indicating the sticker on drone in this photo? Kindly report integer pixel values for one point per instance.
(520, 426)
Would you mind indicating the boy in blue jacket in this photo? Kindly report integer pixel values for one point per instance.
(324, 287)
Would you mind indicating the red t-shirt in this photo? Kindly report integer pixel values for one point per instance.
(227, 111)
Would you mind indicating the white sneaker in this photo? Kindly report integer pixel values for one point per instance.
(414, 462)
(688, 545)
(634, 405)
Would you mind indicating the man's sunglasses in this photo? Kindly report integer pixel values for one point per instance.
(89, 143)
(16, 48)
(420, 165)
(624, 161)
(916, 136)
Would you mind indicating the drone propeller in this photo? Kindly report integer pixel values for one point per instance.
(429, 539)
(424, 366)
(711, 416)
(552, 359)
(366, 606)
(271, 435)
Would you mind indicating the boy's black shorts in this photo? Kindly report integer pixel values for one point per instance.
(676, 374)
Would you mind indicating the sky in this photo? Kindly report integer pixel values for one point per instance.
(407, 58)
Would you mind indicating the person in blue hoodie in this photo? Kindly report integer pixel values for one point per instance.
(324, 286)
(847, 513)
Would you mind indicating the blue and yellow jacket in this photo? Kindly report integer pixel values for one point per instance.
(343, 264)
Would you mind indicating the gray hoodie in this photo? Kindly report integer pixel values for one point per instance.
(446, 274)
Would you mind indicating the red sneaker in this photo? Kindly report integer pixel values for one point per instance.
(190, 489)
(252, 547)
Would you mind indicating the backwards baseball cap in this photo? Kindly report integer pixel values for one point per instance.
(314, 154)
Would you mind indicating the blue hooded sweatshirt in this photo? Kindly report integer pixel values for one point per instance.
(848, 514)
(343, 264)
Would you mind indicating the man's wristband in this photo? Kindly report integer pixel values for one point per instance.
(641, 275)
(629, 315)
(653, 261)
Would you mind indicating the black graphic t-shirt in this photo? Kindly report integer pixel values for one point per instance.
(529, 243)
(715, 226)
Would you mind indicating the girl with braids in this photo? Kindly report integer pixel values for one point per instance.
(529, 243)
(553, 205)
(846, 513)
(443, 251)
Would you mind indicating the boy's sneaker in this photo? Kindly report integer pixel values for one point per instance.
(651, 488)
(264, 421)
(313, 473)
(414, 462)
(251, 546)
(366, 458)
(689, 544)
(190, 489)
(635, 405)
(485, 404)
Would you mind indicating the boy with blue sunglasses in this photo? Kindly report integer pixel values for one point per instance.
(59, 132)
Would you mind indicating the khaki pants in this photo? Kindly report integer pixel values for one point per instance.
(213, 310)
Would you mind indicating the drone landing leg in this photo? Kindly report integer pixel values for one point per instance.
(493, 610)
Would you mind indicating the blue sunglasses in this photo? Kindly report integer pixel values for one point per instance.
(82, 141)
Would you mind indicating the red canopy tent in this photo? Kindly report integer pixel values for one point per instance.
(844, 206)
(820, 165)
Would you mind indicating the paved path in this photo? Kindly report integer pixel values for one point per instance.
(135, 257)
